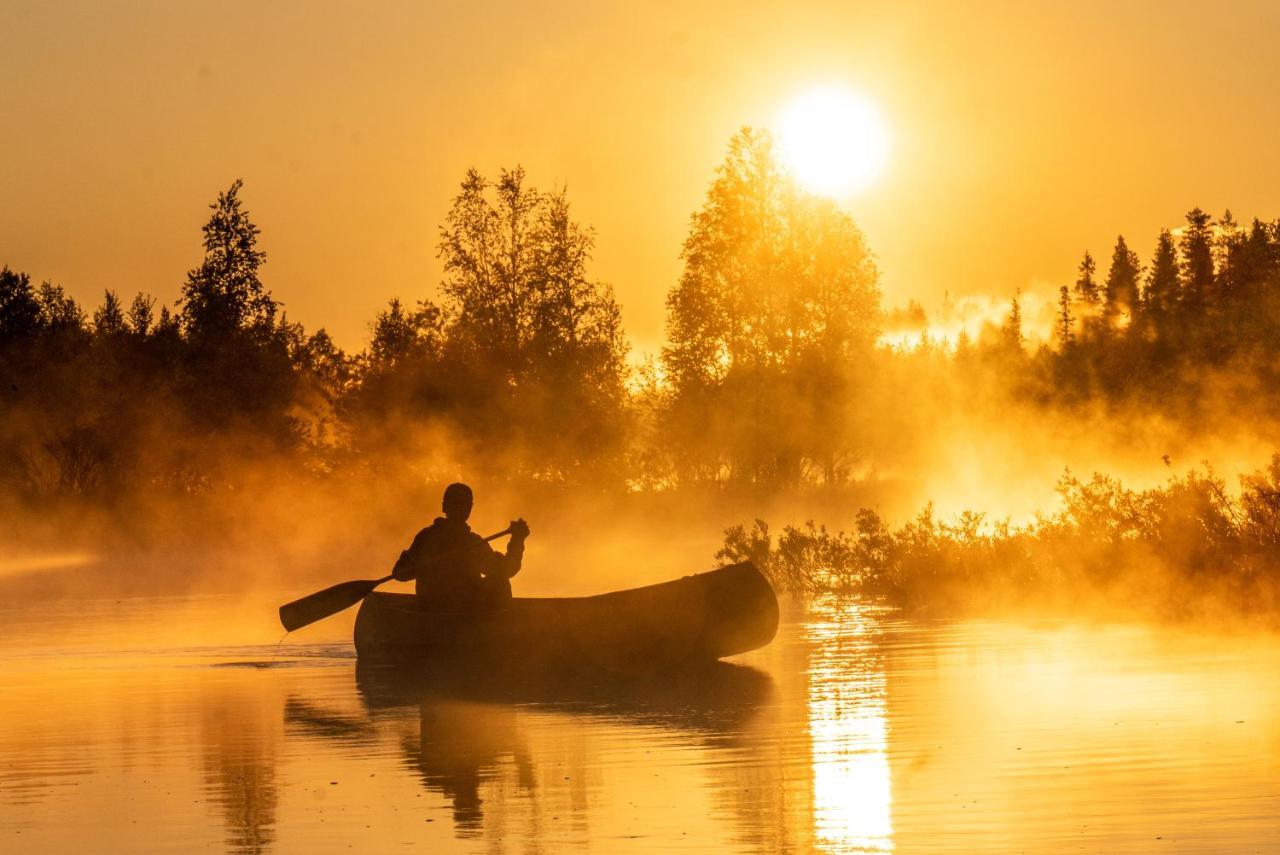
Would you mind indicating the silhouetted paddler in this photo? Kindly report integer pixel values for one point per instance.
(454, 567)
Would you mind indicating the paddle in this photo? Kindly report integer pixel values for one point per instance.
(330, 601)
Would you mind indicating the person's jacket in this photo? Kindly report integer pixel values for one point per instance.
(449, 561)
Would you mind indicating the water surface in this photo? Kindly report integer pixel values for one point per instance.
(178, 725)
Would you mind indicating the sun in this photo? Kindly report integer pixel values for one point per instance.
(834, 141)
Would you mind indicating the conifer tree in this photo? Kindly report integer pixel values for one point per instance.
(1122, 280)
(1065, 330)
(1012, 330)
(1197, 260)
(1162, 279)
(1086, 285)
(1257, 257)
(1228, 256)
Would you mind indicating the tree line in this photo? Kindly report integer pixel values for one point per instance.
(1205, 309)
(771, 375)
(519, 369)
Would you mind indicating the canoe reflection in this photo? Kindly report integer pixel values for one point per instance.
(718, 695)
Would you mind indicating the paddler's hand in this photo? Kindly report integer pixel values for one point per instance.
(519, 529)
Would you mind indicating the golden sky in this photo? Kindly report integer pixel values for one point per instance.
(1022, 132)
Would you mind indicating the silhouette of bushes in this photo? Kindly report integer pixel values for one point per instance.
(1190, 544)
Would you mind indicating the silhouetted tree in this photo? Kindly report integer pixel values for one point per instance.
(19, 309)
(399, 335)
(1257, 259)
(59, 312)
(1197, 261)
(1011, 332)
(1065, 327)
(320, 359)
(108, 319)
(1122, 281)
(141, 314)
(1086, 284)
(237, 377)
(1161, 293)
(538, 344)
(224, 294)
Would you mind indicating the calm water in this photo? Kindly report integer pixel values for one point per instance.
(169, 725)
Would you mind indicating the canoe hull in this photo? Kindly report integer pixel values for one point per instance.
(698, 618)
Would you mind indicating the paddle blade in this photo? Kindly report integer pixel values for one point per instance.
(321, 604)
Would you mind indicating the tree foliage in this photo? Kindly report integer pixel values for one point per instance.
(775, 313)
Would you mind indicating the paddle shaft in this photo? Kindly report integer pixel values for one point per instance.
(331, 600)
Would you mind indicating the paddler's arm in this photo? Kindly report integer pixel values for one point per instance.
(507, 565)
(408, 563)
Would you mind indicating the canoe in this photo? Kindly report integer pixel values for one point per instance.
(699, 618)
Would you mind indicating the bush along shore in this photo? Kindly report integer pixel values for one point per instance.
(1189, 548)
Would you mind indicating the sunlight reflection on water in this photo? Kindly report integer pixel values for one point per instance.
(846, 705)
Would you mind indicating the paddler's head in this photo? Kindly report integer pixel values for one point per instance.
(457, 502)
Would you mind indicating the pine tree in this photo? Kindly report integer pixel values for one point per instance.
(1162, 280)
(1197, 260)
(1012, 330)
(1122, 280)
(1257, 259)
(1065, 328)
(1086, 285)
(1228, 255)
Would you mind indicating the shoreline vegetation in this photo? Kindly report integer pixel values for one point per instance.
(1190, 548)
(218, 420)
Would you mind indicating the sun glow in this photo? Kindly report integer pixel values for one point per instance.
(834, 141)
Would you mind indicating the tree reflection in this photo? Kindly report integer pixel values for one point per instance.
(239, 733)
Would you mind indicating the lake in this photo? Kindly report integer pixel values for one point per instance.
(179, 725)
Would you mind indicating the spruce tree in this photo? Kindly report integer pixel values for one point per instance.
(1122, 280)
(1228, 254)
(1086, 285)
(1257, 259)
(1066, 333)
(1012, 330)
(1197, 260)
(1162, 280)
